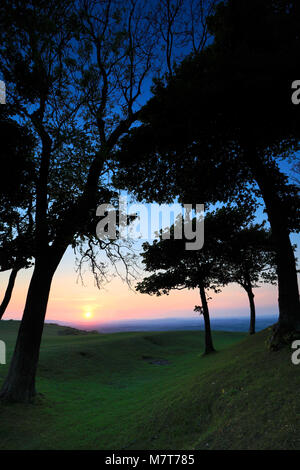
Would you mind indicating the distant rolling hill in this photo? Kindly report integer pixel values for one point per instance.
(169, 324)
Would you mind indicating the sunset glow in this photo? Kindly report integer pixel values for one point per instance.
(88, 315)
(71, 301)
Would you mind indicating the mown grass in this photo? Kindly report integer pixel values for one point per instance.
(155, 391)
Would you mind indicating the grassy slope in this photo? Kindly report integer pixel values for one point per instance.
(102, 392)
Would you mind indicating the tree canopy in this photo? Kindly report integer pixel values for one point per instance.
(75, 72)
(217, 129)
(227, 248)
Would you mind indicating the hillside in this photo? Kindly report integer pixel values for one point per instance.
(155, 391)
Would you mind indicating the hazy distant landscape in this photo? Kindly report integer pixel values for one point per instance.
(239, 324)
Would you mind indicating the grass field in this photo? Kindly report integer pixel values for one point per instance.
(155, 391)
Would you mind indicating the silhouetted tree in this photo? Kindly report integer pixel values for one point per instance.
(15, 254)
(74, 73)
(175, 267)
(249, 259)
(16, 197)
(38, 62)
(218, 127)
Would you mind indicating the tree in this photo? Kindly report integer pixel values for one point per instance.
(15, 254)
(37, 62)
(175, 267)
(215, 131)
(249, 259)
(74, 72)
(17, 149)
(263, 139)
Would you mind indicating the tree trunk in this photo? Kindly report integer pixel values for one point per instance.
(19, 385)
(252, 310)
(8, 292)
(288, 326)
(208, 338)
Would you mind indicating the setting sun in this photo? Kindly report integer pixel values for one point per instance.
(88, 315)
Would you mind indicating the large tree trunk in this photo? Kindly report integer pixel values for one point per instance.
(8, 292)
(288, 326)
(208, 338)
(19, 385)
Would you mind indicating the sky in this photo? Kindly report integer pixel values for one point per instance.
(73, 302)
(70, 301)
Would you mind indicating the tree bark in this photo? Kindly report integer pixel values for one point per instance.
(19, 385)
(8, 292)
(288, 326)
(209, 348)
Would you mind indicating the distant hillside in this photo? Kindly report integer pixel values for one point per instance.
(156, 391)
(236, 323)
